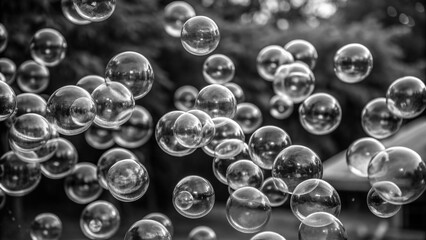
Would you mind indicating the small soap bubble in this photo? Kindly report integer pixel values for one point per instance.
(302, 51)
(146, 229)
(249, 117)
(380, 207)
(176, 14)
(184, 98)
(163, 219)
(217, 101)
(200, 35)
(100, 220)
(359, 154)
(353, 63)
(188, 130)
(7, 101)
(276, 191)
(267, 235)
(202, 233)
(32, 77)
(48, 47)
(70, 13)
(4, 37)
(8, 69)
(81, 185)
(90, 82)
(95, 10)
(62, 162)
(99, 137)
(46, 226)
(322, 225)
(281, 107)
(237, 91)
(269, 59)
(243, 173)
(219, 69)
(220, 165)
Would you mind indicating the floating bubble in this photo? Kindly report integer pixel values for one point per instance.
(184, 97)
(62, 162)
(163, 219)
(377, 121)
(41, 154)
(46, 226)
(359, 154)
(281, 106)
(266, 143)
(81, 185)
(193, 197)
(380, 207)
(406, 96)
(267, 235)
(218, 69)
(99, 137)
(320, 114)
(95, 10)
(7, 101)
(32, 77)
(207, 126)
(188, 130)
(30, 103)
(4, 37)
(243, 173)
(276, 191)
(200, 35)
(217, 101)
(322, 225)
(230, 155)
(146, 229)
(229, 148)
(236, 90)
(176, 14)
(8, 69)
(100, 220)
(249, 117)
(398, 168)
(314, 195)
(48, 47)
(90, 82)
(202, 233)
(353, 63)
(70, 13)
(248, 210)
(302, 51)
(269, 59)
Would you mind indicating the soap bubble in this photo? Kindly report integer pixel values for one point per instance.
(267, 236)
(114, 104)
(30, 103)
(32, 77)
(359, 154)
(163, 219)
(406, 97)
(320, 114)
(95, 10)
(220, 165)
(244, 173)
(70, 13)
(46, 226)
(353, 63)
(202, 233)
(302, 51)
(398, 168)
(81, 185)
(8, 69)
(249, 117)
(380, 207)
(146, 229)
(62, 162)
(41, 154)
(48, 47)
(90, 82)
(276, 191)
(18, 178)
(200, 35)
(269, 59)
(7, 101)
(217, 101)
(236, 90)
(71, 110)
(281, 106)
(248, 210)
(266, 143)
(208, 127)
(99, 137)
(193, 197)
(377, 121)
(175, 15)
(188, 130)
(100, 220)
(314, 195)
(229, 148)
(4, 37)
(321, 225)
(184, 97)
(219, 69)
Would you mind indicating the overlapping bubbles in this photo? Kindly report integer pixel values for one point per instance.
(261, 174)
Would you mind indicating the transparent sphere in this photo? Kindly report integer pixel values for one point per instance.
(406, 96)
(267, 236)
(219, 69)
(380, 207)
(276, 191)
(30, 103)
(100, 220)
(133, 70)
(320, 114)
(32, 77)
(8, 69)
(176, 14)
(188, 130)
(45, 152)
(71, 110)
(266, 143)
(70, 13)
(184, 98)
(314, 195)
(48, 47)
(146, 229)
(46, 226)
(226, 153)
(207, 126)
(321, 225)
(90, 82)
(269, 59)
(99, 137)
(7, 101)
(237, 91)
(243, 173)
(166, 138)
(353, 63)
(295, 80)
(114, 104)
(281, 106)
(3, 38)
(202, 233)
(81, 185)
(377, 121)
(302, 51)
(249, 117)
(95, 10)
(217, 101)
(108, 159)
(200, 35)
(398, 175)
(163, 219)
(193, 197)
(62, 162)
(359, 154)
(248, 210)
(296, 164)
(18, 178)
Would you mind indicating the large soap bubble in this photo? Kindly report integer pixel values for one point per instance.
(379, 207)
(99, 220)
(353, 63)
(359, 154)
(322, 225)
(217, 101)
(48, 47)
(244, 173)
(200, 35)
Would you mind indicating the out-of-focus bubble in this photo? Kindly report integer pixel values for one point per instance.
(100, 220)
(163, 219)
(302, 51)
(207, 126)
(219, 69)
(314, 195)
(200, 35)
(99, 137)
(266, 143)
(193, 197)
(229, 148)
(249, 117)
(188, 130)
(81, 185)
(380, 207)
(8, 69)
(4, 37)
(146, 229)
(41, 154)
(48, 47)
(32, 77)
(231, 151)
(30, 103)
(281, 106)
(90, 82)
(406, 96)
(359, 154)
(269, 59)
(68, 9)
(320, 114)
(377, 121)
(237, 91)
(62, 162)
(8, 101)
(248, 210)
(184, 97)
(276, 191)
(176, 14)
(46, 226)
(353, 63)
(398, 175)
(18, 178)
(322, 225)
(95, 10)
(217, 101)
(267, 235)
(202, 233)
(243, 173)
